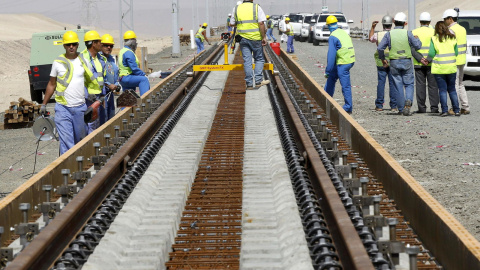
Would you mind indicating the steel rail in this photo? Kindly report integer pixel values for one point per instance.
(433, 224)
(349, 246)
(43, 251)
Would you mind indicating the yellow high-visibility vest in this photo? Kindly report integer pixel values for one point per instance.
(246, 19)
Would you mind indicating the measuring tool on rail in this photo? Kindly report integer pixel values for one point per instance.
(227, 66)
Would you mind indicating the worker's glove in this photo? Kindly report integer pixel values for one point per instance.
(326, 75)
(92, 98)
(43, 109)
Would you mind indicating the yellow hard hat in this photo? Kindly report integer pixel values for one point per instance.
(70, 37)
(268, 16)
(205, 24)
(91, 35)
(287, 19)
(107, 39)
(331, 19)
(129, 35)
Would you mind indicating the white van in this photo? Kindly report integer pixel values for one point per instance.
(321, 32)
(470, 19)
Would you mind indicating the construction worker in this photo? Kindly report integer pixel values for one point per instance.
(111, 77)
(200, 37)
(443, 55)
(249, 19)
(289, 33)
(450, 17)
(423, 72)
(94, 84)
(270, 29)
(229, 27)
(382, 72)
(340, 59)
(400, 43)
(131, 76)
(67, 81)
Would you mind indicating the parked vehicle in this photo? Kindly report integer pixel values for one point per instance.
(275, 19)
(470, 20)
(307, 27)
(45, 48)
(321, 32)
(296, 21)
(281, 24)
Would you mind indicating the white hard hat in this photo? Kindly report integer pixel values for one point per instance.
(425, 17)
(449, 13)
(400, 17)
(229, 14)
(239, 3)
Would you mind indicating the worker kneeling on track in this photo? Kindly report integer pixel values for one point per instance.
(111, 76)
(340, 59)
(95, 69)
(67, 80)
(131, 76)
(249, 19)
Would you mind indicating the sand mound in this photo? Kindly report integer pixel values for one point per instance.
(22, 26)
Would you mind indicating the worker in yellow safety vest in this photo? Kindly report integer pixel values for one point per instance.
(290, 34)
(200, 37)
(67, 81)
(383, 72)
(443, 54)
(340, 59)
(450, 17)
(94, 82)
(249, 18)
(423, 70)
(131, 76)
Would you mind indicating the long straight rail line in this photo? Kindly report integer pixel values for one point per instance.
(209, 236)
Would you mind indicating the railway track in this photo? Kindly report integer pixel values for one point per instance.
(199, 178)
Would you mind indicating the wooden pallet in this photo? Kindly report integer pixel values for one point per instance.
(21, 112)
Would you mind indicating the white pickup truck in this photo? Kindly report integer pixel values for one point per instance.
(470, 19)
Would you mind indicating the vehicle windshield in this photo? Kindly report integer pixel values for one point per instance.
(471, 24)
(294, 18)
(275, 17)
(307, 19)
(340, 18)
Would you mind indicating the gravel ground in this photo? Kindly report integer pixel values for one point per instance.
(435, 150)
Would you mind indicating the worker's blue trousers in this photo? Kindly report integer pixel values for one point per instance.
(341, 72)
(70, 125)
(133, 81)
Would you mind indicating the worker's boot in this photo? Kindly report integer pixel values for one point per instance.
(407, 108)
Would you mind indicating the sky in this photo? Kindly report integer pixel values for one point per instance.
(154, 17)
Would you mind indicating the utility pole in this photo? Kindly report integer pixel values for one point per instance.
(126, 17)
(340, 5)
(175, 37)
(207, 7)
(411, 14)
(90, 12)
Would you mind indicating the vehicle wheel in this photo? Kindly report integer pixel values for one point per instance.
(36, 95)
(302, 39)
(279, 32)
(316, 42)
(310, 38)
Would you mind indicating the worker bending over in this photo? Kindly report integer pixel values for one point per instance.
(450, 17)
(383, 72)
(131, 76)
(340, 59)
(67, 81)
(249, 19)
(111, 76)
(200, 37)
(423, 71)
(400, 43)
(94, 83)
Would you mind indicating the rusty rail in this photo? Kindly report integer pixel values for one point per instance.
(43, 251)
